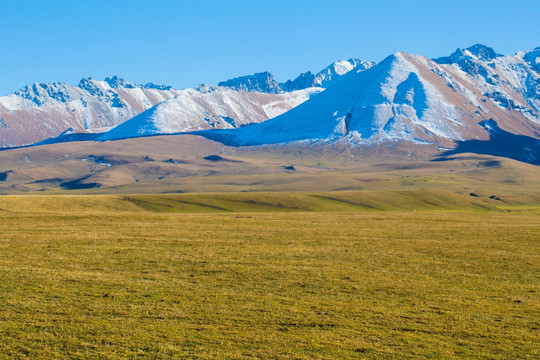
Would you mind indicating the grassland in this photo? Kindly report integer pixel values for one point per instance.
(270, 276)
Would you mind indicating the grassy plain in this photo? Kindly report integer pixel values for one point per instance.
(294, 252)
(144, 276)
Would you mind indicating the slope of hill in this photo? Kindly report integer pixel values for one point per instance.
(208, 107)
(186, 163)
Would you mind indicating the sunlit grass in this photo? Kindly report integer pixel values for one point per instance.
(283, 285)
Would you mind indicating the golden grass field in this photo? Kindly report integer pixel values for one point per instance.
(269, 276)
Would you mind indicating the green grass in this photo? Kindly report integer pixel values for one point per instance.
(117, 277)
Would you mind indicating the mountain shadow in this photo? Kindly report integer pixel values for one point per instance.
(501, 143)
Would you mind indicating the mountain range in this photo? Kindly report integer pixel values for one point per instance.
(416, 99)
(474, 94)
(39, 112)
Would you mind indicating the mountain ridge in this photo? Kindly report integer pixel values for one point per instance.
(265, 82)
(40, 111)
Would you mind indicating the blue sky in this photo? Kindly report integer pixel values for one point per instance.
(184, 43)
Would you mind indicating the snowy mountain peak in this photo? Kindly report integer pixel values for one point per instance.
(264, 82)
(483, 52)
(303, 81)
(206, 88)
(94, 87)
(340, 68)
(151, 85)
(327, 76)
(400, 55)
(477, 51)
(118, 83)
(478, 61)
(260, 82)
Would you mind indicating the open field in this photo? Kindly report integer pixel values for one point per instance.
(197, 250)
(125, 277)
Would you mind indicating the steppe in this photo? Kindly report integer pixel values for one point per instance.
(177, 247)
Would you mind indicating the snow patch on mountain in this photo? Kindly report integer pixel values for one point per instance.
(117, 83)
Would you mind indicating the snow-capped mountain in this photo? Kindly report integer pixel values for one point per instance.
(473, 94)
(41, 111)
(208, 107)
(327, 76)
(265, 82)
(506, 80)
(261, 82)
(415, 99)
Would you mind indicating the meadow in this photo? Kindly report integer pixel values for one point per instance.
(239, 276)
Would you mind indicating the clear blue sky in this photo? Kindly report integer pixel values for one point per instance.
(184, 43)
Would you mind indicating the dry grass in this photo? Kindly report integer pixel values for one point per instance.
(292, 285)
